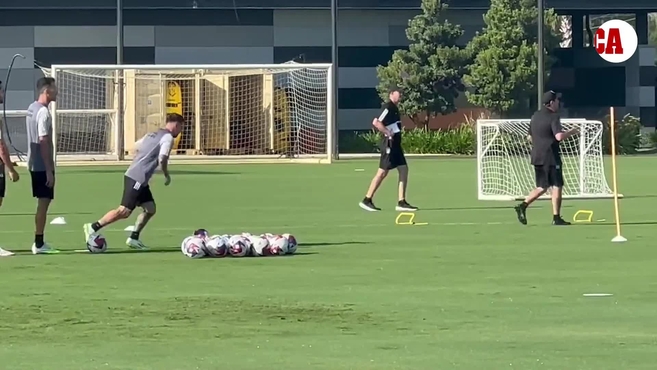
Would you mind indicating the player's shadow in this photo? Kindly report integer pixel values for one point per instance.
(120, 170)
(480, 208)
(49, 214)
(634, 223)
(328, 244)
(639, 196)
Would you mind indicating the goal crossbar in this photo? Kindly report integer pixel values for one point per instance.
(504, 170)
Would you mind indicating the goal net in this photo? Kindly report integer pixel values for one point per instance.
(259, 113)
(504, 170)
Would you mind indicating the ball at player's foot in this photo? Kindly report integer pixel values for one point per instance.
(193, 247)
(291, 243)
(96, 243)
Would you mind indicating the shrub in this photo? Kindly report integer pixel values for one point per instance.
(628, 135)
(461, 140)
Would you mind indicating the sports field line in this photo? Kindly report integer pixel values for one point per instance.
(281, 228)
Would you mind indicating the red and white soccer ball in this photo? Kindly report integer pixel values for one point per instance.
(259, 246)
(193, 247)
(96, 243)
(216, 246)
(238, 246)
(291, 243)
(278, 245)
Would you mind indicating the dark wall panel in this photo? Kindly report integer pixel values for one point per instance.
(136, 17)
(362, 98)
(648, 75)
(365, 56)
(648, 116)
(348, 56)
(104, 55)
(593, 91)
(309, 54)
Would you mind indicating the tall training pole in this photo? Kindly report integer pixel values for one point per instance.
(334, 61)
(541, 57)
(120, 129)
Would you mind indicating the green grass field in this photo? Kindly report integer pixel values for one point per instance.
(472, 290)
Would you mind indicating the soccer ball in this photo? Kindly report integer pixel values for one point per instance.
(96, 243)
(278, 245)
(216, 246)
(193, 247)
(238, 246)
(291, 243)
(203, 234)
(259, 246)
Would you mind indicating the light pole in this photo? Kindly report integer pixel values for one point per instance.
(334, 61)
(119, 93)
(541, 57)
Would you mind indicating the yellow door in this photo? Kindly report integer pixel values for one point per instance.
(174, 105)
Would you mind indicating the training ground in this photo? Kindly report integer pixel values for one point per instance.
(472, 290)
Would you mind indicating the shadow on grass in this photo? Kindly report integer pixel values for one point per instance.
(484, 208)
(49, 214)
(646, 196)
(327, 244)
(613, 223)
(121, 170)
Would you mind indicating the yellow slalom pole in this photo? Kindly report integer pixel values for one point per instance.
(612, 128)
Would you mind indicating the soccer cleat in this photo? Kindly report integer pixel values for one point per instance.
(45, 249)
(403, 206)
(521, 212)
(5, 253)
(368, 205)
(558, 221)
(135, 244)
(88, 230)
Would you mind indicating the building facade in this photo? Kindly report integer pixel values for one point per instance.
(367, 38)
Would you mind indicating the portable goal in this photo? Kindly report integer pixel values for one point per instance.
(504, 170)
(259, 113)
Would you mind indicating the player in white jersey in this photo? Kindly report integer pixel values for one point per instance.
(5, 161)
(152, 151)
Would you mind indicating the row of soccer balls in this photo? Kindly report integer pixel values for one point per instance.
(201, 244)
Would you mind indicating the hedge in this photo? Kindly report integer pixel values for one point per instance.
(463, 139)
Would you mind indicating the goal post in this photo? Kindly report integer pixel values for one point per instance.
(242, 113)
(504, 170)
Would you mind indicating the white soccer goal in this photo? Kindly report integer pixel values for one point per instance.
(250, 113)
(504, 170)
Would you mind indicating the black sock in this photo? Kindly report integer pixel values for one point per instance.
(96, 226)
(402, 201)
(38, 240)
(134, 235)
(367, 200)
(524, 205)
(556, 217)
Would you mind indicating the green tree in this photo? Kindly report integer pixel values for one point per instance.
(430, 72)
(502, 77)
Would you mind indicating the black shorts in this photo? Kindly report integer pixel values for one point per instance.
(2, 184)
(135, 194)
(548, 176)
(39, 188)
(391, 157)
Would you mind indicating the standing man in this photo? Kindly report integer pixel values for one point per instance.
(392, 154)
(153, 151)
(545, 133)
(5, 161)
(40, 159)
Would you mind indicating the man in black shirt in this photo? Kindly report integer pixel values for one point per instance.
(545, 133)
(392, 154)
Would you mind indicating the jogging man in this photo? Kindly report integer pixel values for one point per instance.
(545, 133)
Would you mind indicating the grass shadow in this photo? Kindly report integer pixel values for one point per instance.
(613, 223)
(482, 208)
(646, 196)
(327, 244)
(49, 214)
(121, 170)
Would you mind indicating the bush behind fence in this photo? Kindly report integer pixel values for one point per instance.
(462, 140)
